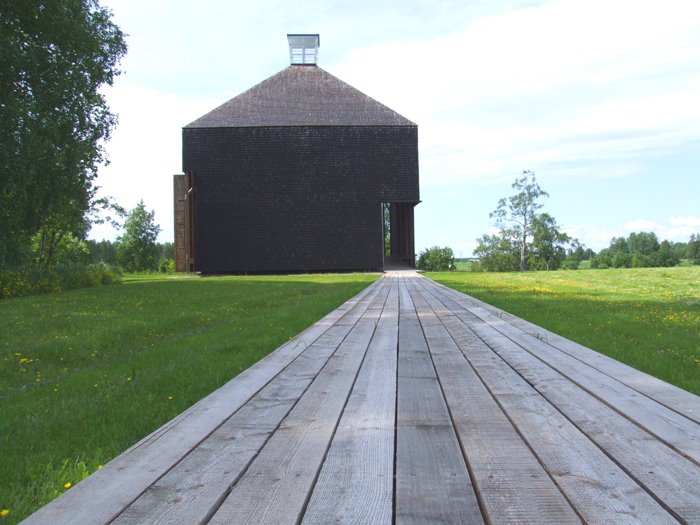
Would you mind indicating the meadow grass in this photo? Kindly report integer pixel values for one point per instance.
(87, 373)
(648, 318)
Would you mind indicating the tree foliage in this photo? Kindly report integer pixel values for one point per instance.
(549, 244)
(517, 213)
(136, 248)
(496, 253)
(693, 249)
(527, 238)
(54, 59)
(436, 259)
(638, 250)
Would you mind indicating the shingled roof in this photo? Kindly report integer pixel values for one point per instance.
(301, 95)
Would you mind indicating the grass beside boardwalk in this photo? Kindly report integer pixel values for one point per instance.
(648, 318)
(87, 373)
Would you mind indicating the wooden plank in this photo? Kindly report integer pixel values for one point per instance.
(666, 474)
(104, 494)
(597, 488)
(276, 486)
(356, 482)
(671, 396)
(511, 483)
(674, 429)
(670, 477)
(432, 481)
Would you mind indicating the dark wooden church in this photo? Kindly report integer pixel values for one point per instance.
(300, 173)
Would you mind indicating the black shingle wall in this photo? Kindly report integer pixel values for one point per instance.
(296, 199)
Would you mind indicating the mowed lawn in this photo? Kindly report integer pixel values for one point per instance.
(648, 318)
(87, 373)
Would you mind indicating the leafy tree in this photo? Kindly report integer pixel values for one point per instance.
(54, 59)
(680, 250)
(643, 243)
(665, 255)
(638, 250)
(167, 250)
(436, 259)
(66, 249)
(527, 239)
(496, 253)
(693, 250)
(549, 244)
(136, 248)
(518, 212)
(103, 251)
(576, 253)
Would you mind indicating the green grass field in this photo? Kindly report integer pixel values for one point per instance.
(87, 373)
(648, 318)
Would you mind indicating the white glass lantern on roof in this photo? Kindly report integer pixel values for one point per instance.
(303, 49)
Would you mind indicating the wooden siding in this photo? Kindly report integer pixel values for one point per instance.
(179, 201)
(296, 199)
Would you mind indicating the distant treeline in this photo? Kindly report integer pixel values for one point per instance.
(638, 250)
(106, 252)
(643, 250)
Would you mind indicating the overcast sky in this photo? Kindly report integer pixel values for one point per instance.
(600, 98)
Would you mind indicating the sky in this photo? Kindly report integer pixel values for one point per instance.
(600, 98)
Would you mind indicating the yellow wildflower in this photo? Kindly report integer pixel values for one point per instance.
(170, 398)
(4, 512)
(67, 485)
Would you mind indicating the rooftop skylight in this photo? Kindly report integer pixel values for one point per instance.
(303, 49)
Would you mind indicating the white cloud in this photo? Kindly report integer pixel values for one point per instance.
(685, 222)
(642, 225)
(566, 81)
(675, 229)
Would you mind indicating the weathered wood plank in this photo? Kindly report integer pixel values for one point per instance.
(511, 483)
(102, 496)
(674, 429)
(678, 431)
(356, 481)
(671, 396)
(666, 474)
(672, 478)
(277, 484)
(432, 480)
(597, 487)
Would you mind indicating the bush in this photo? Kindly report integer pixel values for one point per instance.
(18, 283)
(166, 266)
(436, 259)
(570, 263)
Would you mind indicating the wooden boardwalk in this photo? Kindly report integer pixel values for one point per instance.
(413, 403)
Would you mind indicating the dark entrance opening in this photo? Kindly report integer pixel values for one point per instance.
(399, 243)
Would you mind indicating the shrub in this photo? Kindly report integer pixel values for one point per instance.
(166, 266)
(18, 283)
(570, 263)
(436, 259)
